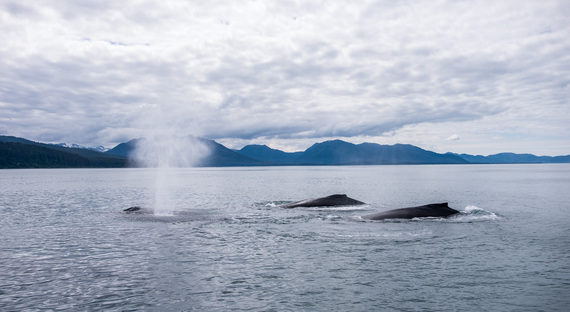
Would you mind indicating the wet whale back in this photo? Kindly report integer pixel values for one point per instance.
(329, 201)
(138, 210)
(431, 210)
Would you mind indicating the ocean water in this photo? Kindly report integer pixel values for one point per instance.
(221, 243)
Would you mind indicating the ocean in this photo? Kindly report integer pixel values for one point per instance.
(220, 242)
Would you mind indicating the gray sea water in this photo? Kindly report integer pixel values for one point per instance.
(223, 244)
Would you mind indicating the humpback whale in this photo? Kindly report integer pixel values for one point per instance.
(329, 201)
(138, 209)
(431, 210)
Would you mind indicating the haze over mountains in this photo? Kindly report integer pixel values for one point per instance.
(339, 152)
(22, 153)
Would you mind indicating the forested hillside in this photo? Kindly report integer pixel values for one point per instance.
(23, 155)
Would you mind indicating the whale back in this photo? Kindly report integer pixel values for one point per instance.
(430, 210)
(329, 201)
(138, 210)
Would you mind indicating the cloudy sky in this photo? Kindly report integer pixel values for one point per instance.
(478, 77)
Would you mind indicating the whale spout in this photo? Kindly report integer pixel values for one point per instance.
(329, 201)
(430, 210)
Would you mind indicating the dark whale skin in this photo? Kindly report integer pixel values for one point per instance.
(137, 209)
(430, 210)
(329, 201)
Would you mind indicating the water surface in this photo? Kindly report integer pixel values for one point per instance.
(226, 245)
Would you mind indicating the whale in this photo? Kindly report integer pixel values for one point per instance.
(430, 210)
(138, 209)
(329, 201)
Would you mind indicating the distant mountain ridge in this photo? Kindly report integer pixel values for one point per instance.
(220, 156)
(267, 154)
(512, 158)
(337, 152)
(99, 148)
(22, 153)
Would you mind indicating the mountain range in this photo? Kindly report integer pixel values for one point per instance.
(22, 153)
(339, 152)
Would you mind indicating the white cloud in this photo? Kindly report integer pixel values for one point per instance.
(288, 73)
(453, 137)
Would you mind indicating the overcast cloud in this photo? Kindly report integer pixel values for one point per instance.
(480, 77)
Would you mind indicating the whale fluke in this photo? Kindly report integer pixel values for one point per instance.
(431, 210)
(329, 201)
